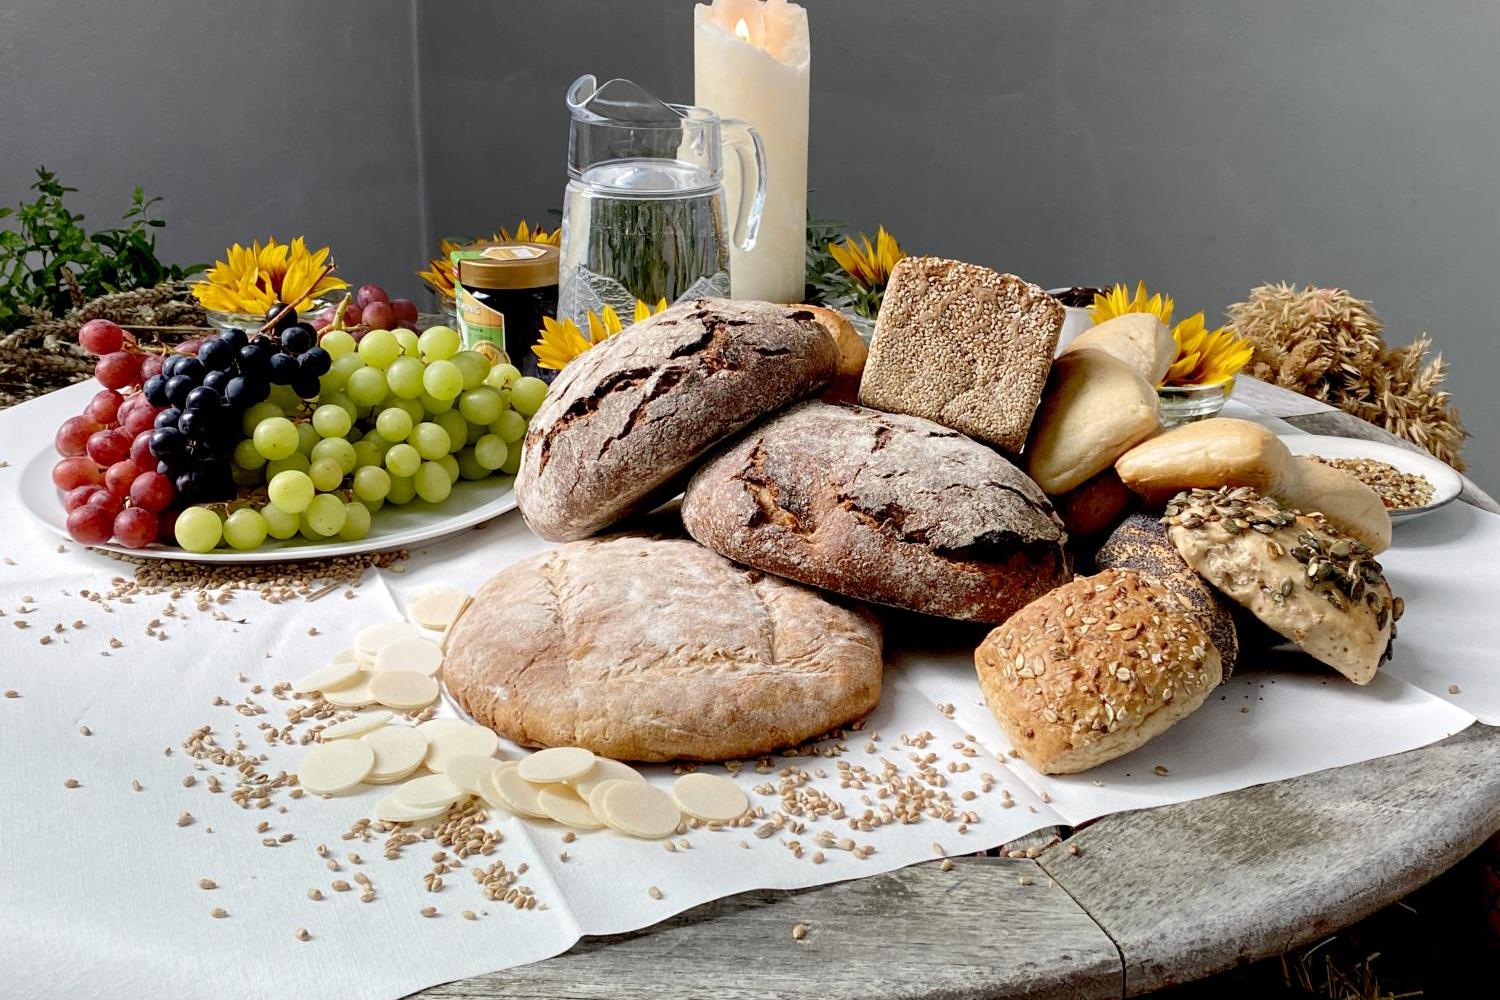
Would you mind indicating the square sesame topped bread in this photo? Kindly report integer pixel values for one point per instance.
(963, 346)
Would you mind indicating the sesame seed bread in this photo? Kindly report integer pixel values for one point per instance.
(650, 648)
(1140, 543)
(1295, 572)
(964, 346)
(1094, 409)
(626, 419)
(1095, 669)
(881, 507)
(1139, 339)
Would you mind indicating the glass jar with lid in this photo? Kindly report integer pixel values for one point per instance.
(502, 293)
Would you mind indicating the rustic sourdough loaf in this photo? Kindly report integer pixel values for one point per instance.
(1094, 669)
(626, 419)
(882, 507)
(963, 346)
(1140, 543)
(648, 648)
(1295, 572)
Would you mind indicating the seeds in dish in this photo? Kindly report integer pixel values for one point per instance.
(1398, 490)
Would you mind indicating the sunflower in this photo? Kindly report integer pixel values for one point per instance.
(869, 266)
(561, 341)
(255, 278)
(1205, 357)
(529, 234)
(439, 274)
(1117, 302)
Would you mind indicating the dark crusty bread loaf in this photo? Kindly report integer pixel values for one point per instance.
(962, 345)
(1141, 543)
(1095, 669)
(882, 507)
(627, 418)
(646, 648)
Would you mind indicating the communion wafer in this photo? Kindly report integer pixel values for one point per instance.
(403, 689)
(643, 811)
(399, 750)
(337, 674)
(355, 694)
(518, 794)
(418, 655)
(460, 741)
(365, 722)
(331, 768)
(393, 810)
(468, 771)
(563, 804)
(710, 798)
(556, 764)
(436, 608)
(373, 638)
(428, 792)
(604, 769)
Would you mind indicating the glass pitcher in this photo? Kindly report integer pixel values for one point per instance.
(643, 214)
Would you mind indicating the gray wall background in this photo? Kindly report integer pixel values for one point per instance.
(1205, 147)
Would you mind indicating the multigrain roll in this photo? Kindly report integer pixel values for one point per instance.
(963, 346)
(1095, 669)
(1295, 572)
(1140, 543)
(881, 507)
(626, 420)
(649, 648)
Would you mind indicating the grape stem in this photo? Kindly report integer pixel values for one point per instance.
(270, 324)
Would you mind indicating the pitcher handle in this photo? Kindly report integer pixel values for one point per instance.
(745, 141)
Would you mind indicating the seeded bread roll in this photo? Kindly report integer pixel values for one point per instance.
(1139, 339)
(1295, 572)
(1140, 543)
(963, 346)
(624, 421)
(1219, 451)
(1094, 670)
(881, 507)
(1095, 408)
(646, 648)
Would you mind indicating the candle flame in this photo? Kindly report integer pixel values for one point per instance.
(742, 30)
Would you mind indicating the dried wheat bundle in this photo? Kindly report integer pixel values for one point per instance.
(1327, 344)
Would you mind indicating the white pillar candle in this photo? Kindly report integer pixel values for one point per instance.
(751, 61)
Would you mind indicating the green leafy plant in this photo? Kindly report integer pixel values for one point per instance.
(47, 256)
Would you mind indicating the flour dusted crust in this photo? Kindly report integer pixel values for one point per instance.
(1095, 669)
(1295, 572)
(964, 346)
(643, 648)
(627, 418)
(1140, 543)
(882, 507)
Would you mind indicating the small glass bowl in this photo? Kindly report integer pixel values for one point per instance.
(1183, 404)
(225, 321)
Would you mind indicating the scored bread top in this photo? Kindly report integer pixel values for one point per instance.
(648, 648)
(882, 507)
(625, 419)
(1094, 669)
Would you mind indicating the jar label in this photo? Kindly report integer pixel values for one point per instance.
(479, 322)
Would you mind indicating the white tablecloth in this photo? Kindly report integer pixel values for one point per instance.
(99, 885)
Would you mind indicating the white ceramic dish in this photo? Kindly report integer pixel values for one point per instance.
(471, 503)
(1446, 484)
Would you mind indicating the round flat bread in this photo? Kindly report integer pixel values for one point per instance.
(331, 768)
(464, 741)
(373, 638)
(355, 694)
(365, 722)
(556, 764)
(399, 750)
(710, 798)
(417, 655)
(515, 792)
(434, 609)
(470, 771)
(643, 811)
(661, 650)
(393, 810)
(336, 675)
(604, 770)
(430, 791)
(595, 797)
(403, 690)
(562, 804)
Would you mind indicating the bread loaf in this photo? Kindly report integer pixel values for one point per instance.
(1140, 543)
(643, 648)
(1139, 339)
(1094, 507)
(852, 353)
(1094, 409)
(963, 346)
(1219, 451)
(626, 419)
(1223, 451)
(1295, 572)
(1349, 504)
(882, 507)
(1095, 669)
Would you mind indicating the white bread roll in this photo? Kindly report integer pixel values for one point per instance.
(1139, 339)
(1095, 407)
(1339, 496)
(1219, 451)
